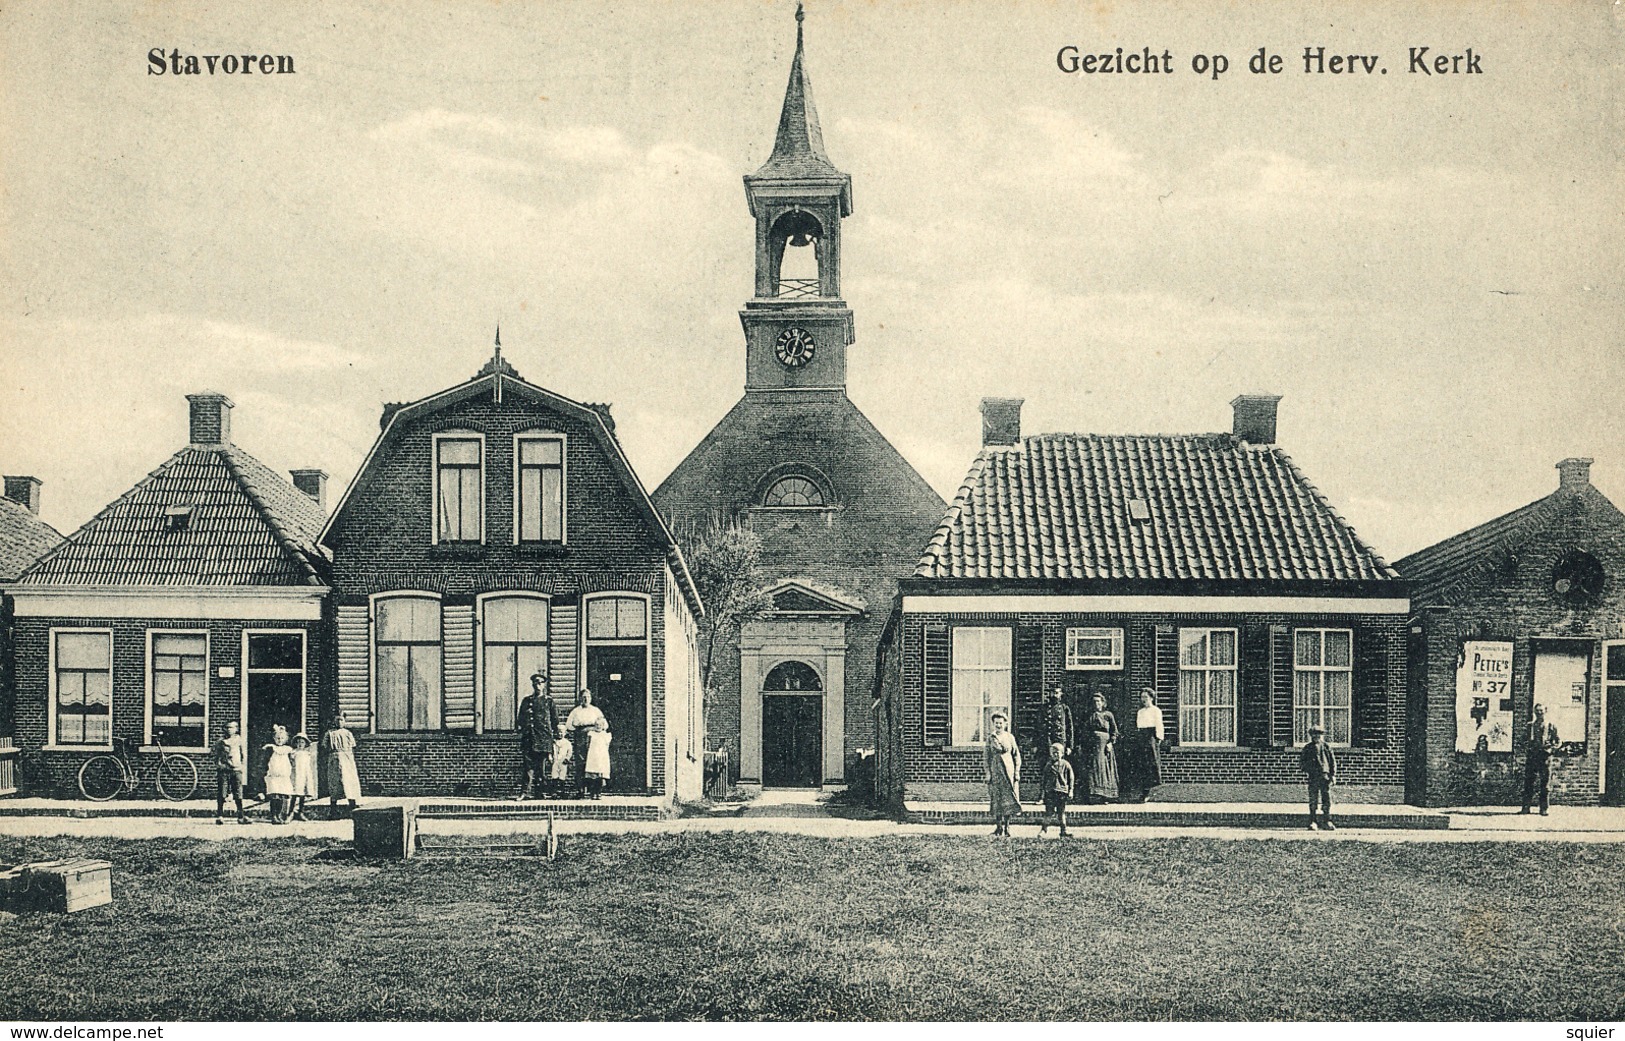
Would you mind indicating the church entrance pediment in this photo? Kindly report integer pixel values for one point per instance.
(801, 598)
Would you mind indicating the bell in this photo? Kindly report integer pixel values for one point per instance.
(799, 239)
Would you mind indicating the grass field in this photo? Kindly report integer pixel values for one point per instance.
(725, 926)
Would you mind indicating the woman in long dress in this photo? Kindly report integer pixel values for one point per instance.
(1146, 744)
(1003, 766)
(342, 779)
(1101, 767)
(279, 774)
(579, 724)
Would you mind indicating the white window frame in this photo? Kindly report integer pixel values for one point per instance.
(479, 651)
(208, 687)
(1322, 669)
(434, 485)
(1007, 708)
(582, 643)
(51, 743)
(1076, 633)
(372, 657)
(1234, 669)
(1602, 728)
(564, 487)
(244, 670)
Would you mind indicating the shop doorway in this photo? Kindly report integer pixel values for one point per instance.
(1613, 738)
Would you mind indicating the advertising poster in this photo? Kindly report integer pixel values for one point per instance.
(1484, 696)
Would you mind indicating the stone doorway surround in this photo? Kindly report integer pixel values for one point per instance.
(819, 643)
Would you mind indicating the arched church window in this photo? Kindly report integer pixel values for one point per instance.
(792, 675)
(794, 491)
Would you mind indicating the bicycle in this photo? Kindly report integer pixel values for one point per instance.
(106, 775)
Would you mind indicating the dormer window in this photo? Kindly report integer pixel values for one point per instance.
(458, 488)
(177, 518)
(794, 491)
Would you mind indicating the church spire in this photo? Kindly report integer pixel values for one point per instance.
(799, 147)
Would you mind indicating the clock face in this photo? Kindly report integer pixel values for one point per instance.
(795, 347)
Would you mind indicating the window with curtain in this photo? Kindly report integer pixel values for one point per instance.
(180, 688)
(406, 664)
(1207, 686)
(513, 638)
(541, 489)
(84, 688)
(1323, 684)
(457, 489)
(981, 681)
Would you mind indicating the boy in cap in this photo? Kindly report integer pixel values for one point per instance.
(1320, 766)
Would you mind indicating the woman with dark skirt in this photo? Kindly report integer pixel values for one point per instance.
(1100, 738)
(1145, 746)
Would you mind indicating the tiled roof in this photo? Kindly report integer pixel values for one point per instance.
(248, 527)
(1458, 558)
(1063, 506)
(24, 538)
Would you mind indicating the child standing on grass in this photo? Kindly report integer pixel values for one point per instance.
(598, 758)
(279, 774)
(1058, 781)
(304, 775)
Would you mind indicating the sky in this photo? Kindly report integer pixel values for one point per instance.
(1426, 268)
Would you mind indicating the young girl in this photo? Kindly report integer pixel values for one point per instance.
(304, 775)
(279, 774)
(559, 774)
(598, 758)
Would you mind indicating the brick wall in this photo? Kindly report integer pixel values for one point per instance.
(55, 772)
(883, 514)
(1510, 598)
(382, 543)
(943, 772)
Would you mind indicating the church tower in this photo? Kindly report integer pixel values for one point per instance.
(797, 327)
(841, 514)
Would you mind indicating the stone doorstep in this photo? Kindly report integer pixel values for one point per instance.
(1185, 815)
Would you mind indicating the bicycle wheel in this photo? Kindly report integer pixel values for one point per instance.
(177, 777)
(101, 778)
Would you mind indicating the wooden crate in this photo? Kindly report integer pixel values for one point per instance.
(386, 831)
(62, 886)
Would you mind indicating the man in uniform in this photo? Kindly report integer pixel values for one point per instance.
(538, 729)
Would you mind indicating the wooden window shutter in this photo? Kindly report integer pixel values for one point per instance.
(1167, 677)
(1281, 685)
(1256, 690)
(1370, 687)
(1029, 683)
(936, 685)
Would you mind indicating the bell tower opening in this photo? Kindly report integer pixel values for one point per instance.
(798, 256)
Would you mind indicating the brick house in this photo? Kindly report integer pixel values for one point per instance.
(1523, 609)
(841, 513)
(193, 599)
(496, 528)
(1205, 567)
(24, 538)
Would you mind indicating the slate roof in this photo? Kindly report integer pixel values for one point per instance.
(798, 148)
(1061, 506)
(24, 538)
(249, 527)
(1441, 565)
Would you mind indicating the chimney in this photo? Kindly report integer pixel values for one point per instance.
(25, 492)
(211, 418)
(1255, 418)
(313, 483)
(1001, 420)
(1572, 473)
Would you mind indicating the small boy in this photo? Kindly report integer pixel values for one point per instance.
(1320, 767)
(230, 754)
(1057, 787)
